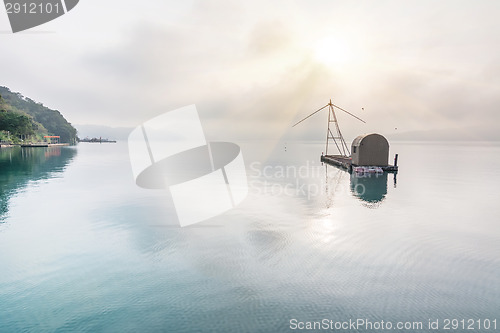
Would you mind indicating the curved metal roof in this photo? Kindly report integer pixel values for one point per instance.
(357, 140)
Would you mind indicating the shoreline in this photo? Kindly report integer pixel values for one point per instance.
(34, 145)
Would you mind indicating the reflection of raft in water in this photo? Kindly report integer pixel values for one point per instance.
(370, 188)
(368, 183)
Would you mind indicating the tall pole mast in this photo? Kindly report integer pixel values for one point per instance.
(337, 138)
(328, 129)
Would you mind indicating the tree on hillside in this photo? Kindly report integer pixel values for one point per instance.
(16, 124)
(43, 118)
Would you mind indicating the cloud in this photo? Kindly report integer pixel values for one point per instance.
(269, 37)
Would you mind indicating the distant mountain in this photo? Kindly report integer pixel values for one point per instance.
(471, 133)
(21, 115)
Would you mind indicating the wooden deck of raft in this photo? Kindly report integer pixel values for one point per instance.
(346, 163)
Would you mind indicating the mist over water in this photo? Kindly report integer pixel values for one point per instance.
(82, 248)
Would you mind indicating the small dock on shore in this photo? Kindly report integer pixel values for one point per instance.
(346, 163)
(58, 144)
(42, 145)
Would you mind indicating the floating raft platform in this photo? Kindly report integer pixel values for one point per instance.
(346, 163)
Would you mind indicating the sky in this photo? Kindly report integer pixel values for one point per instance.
(410, 69)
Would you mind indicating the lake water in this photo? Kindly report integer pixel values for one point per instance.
(82, 248)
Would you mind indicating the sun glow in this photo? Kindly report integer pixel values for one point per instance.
(333, 52)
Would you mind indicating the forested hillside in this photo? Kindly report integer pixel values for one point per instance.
(22, 116)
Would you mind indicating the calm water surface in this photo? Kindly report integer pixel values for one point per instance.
(82, 248)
